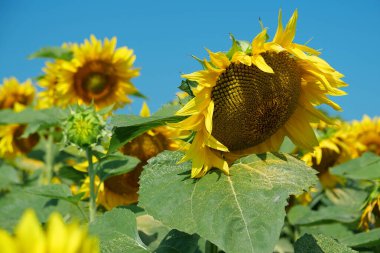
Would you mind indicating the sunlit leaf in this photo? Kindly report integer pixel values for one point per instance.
(117, 232)
(8, 176)
(13, 205)
(319, 244)
(243, 212)
(29, 115)
(113, 165)
(127, 127)
(366, 167)
(52, 53)
(364, 239)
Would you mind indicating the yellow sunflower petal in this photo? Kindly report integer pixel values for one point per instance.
(219, 59)
(300, 131)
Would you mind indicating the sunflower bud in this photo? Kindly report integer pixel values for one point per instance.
(84, 127)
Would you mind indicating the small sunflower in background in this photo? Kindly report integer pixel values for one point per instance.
(97, 72)
(29, 236)
(48, 97)
(366, 135)
(371, 214)
(333, 149)
(122, 189)
(15, 96)
(248, 100)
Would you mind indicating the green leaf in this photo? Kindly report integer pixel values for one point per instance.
(348, 197)
(178, 242)
(335, 230)
(151, 231)
(13, 205)
(319, 244)
(364, 239)
(243, 212)
(113, 165)
(8, 176)
(50, 116)
(55, 191)
(301, 215)
(117, 232)
(53, 53)
(187, 85)
(366, 167)
(139, 95)
(344, 206)
(234, 48)
(71, 174)
(127, 127)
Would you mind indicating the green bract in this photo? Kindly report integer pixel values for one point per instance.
(84, 127)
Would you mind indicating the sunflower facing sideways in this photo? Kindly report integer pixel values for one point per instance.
(248, 101)
(98, 72)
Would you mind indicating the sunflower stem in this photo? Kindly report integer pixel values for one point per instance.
(49, 159)
(91, 174)
(210, 247)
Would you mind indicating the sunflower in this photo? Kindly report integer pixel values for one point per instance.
(366, 135)
(98, 72)
(371, 214)
(333, 149)
(48, 97)
(14, 94)
(249, 101)
(122, 189)
(11, 142)
(30, 237)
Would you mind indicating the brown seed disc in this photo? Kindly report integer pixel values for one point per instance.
(95, 80)
(251, 105)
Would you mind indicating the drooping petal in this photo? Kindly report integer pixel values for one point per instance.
(259, 62)
(219, 59)
(300, 131)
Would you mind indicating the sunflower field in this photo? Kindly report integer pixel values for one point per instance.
(241, 160)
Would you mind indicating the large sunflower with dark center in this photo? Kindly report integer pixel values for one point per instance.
(251, 105)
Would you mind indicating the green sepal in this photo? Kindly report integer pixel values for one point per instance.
(52, 53)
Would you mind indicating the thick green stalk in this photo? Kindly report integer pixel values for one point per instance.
(91, 174)
(49, 159)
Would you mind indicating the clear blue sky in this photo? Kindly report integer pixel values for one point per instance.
(164, 35)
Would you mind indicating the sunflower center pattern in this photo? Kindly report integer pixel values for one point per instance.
(251, 105)
(95, 80)
(95, 83)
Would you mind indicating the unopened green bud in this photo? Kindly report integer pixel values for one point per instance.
(84, 127)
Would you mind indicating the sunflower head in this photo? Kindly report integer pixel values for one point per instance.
(11, 142)
(49, 97)
(366, 135)
(371, 214)
(249, 99)
(15, 95)
(84, 127)
(98, 72)
(29, 236)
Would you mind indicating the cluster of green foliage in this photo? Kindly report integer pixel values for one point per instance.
(247, 211)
